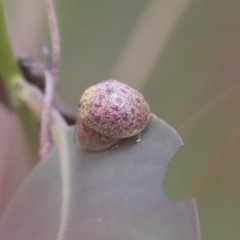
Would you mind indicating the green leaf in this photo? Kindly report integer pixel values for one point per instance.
(12, 79)
(8, 66)
(113, 194)
(16, 159)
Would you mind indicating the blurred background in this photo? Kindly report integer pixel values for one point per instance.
(183, 55)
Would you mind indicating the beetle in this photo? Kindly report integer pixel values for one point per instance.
(108, 112)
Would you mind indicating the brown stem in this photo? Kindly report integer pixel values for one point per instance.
(45, 140)
(51, 76)
(55, 38)
(33, 72)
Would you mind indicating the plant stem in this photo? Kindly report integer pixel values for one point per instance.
(51, 76)
(55, 38)
(8, 66)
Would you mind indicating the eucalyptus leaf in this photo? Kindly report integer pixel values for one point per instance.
(113, 194)
(16, 160)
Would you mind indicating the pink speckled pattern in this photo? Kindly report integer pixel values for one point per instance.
(114, 109)
(92, 140)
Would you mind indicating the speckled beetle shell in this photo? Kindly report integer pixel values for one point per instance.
(92, 140)
(108, 112)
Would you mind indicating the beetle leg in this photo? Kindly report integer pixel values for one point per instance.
(115, 146)
(138, 137)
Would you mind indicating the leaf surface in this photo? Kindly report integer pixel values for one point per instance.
(113, 194)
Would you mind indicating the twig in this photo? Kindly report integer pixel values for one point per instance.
(51, 76)
(55, 37)
(33, 72)
(45, 140)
